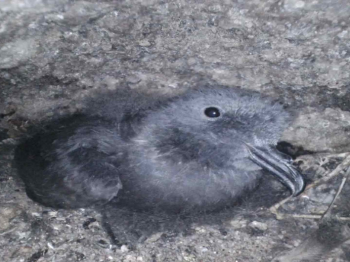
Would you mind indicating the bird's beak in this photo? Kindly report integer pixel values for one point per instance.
(279, 165)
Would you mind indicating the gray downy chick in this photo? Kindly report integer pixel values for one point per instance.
(198, 151)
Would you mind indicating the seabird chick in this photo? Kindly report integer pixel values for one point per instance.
(201, 150)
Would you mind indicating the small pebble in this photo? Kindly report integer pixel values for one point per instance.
(258, 225)
(124, 249)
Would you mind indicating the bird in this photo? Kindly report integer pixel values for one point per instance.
(200, 150)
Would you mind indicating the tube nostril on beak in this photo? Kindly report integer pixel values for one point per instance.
(278, 165)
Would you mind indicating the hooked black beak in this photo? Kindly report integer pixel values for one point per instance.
(279, 165)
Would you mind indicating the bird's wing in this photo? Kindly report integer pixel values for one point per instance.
(71, 165)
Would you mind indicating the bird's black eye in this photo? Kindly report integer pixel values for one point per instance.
(212, 112)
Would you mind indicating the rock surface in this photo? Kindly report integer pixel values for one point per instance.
(55, 53)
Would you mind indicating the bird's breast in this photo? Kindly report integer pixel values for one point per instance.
(184, 186)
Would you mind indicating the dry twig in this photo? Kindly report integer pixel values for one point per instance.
(345, 163)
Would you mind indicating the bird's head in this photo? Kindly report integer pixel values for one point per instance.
(221, 127)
